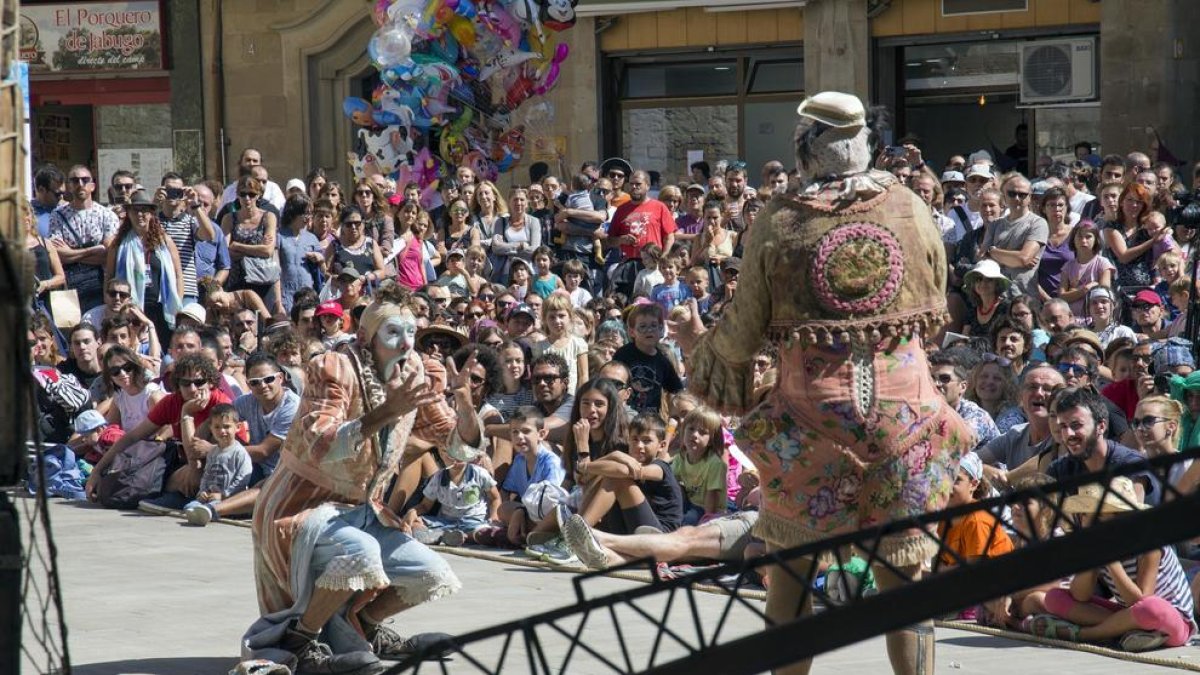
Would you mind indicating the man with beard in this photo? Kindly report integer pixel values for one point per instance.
(1082, 424)
(641, 221)
(1080, 368)
(1012, 448)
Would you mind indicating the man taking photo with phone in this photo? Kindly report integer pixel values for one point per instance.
(186, 220)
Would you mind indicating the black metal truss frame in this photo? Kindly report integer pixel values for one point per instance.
(1039, 558)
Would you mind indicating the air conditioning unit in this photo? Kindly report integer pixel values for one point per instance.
(1058, 71)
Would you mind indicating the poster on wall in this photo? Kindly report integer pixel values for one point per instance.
(72, 37)
(147, 164)
(53, 141)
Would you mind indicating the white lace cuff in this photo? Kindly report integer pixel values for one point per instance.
(347, 442)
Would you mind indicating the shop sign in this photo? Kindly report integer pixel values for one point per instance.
(72, 37)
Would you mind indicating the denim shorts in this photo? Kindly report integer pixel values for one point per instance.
(356, 552)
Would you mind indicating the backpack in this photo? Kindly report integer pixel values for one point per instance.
(131, 478)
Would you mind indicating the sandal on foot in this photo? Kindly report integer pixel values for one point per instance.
(1048, 625)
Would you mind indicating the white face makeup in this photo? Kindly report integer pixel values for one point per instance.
(396, 337)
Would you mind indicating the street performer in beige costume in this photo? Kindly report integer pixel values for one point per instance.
(845, 274)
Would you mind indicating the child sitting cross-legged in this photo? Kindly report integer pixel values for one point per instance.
(1142, 602)
(226, 469)
(533, 462)
(634, 490)
(466, 498)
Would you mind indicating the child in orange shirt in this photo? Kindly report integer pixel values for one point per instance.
(979, 534)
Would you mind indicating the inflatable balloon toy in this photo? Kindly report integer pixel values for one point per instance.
(557, 14)
(389, 46)
(390, 148)
(453, 144)
(481, 165)
(502, 61)
(359, 111)
(507, 150)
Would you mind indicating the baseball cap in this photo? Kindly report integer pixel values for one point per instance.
(89, 420)
(695, 186)
(330, 307)
(953, 177)
(979, 170)
(731, 263)
(1147, 296)
(1039, 187)
(195, 311)
(295, 183)
(349, 273)
(522, 309)
(456, 252)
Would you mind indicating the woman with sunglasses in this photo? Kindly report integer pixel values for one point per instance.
(456, 229)
(377, 218)
(146, 257)
(252, 233)
(301, 256)
(353, 249)
(133, 395)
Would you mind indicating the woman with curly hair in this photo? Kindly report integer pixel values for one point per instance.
(1130, 247)
(145, 256)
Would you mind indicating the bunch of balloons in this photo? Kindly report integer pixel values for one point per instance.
(454, 75)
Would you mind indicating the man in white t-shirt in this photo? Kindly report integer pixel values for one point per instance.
(251, 158)
(966, 217)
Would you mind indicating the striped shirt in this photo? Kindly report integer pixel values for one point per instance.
(1170, 584)
(182, 231)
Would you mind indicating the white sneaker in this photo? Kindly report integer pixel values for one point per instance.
(198, 515)
(583, 543)
(1142, 640)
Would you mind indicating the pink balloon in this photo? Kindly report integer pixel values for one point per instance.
(548, 83)
(560, 54)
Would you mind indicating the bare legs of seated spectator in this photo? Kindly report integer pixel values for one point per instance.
(726, 538)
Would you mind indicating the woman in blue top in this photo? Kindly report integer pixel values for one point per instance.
(301, 259)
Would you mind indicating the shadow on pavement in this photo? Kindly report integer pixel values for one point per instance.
(182, 665)
(985, 641)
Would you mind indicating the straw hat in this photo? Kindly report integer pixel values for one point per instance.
(1118, 498)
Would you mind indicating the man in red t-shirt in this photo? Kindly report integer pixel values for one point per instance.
(195, 395)
(641, 221)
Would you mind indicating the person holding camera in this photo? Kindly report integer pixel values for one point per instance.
(185, 221)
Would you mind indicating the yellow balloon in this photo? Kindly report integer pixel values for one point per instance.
(463, 30)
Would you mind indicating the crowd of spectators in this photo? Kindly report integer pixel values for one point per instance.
(199, 306)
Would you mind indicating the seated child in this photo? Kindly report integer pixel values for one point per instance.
(1169, 267)
(701, 467)
(466, 499)
(978, 534)
(533, 462)
(226, 469)
(93, 437)
(1180, 294)
(637, 489)
(1142, 602)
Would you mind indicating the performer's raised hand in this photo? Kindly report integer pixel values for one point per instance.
(460, 380)
(407, 391)
(685, 333)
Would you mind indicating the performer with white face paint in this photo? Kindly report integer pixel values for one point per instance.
(332, 560)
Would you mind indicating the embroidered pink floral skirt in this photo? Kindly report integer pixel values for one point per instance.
(850, 439)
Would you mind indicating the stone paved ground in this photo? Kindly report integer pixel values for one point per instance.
(151, 595)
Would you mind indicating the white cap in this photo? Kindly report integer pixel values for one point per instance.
(979, 170)
(953, 177)
(295, 183)
(835, 109)
(196, 311)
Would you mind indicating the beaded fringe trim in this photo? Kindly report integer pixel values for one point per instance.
(872, 330)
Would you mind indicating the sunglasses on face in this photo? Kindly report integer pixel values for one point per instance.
(362, 193)
(1143, 307)
(127, 368)
(1014, 194)
(476, 315)
(944, 378)
(616, 174)
(459, 211)
(123, 187)
(197, 383)
(261, 381)
(1145, 422)
(248, 195)
(546, 379)
(118, 295)
(352, 223)
(487, 298)
(1072, 369)
(79, 180)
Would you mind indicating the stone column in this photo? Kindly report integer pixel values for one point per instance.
(837, 47)
(1149, 75)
